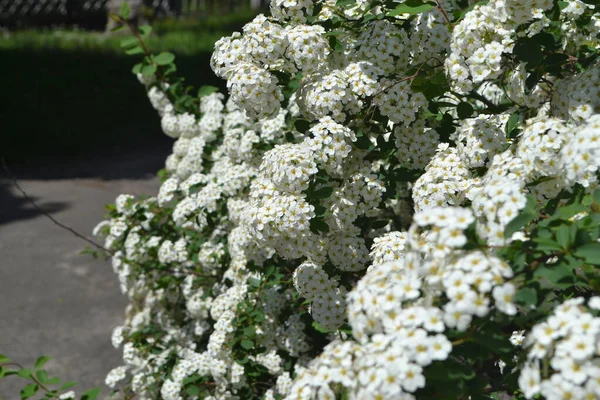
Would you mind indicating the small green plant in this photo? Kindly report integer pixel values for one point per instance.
(39, 384)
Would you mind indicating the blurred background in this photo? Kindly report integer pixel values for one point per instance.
(76, 131)
(67, 87)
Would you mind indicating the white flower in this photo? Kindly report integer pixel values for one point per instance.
(70, 395)
(413, 378)
(440, 347)
(529, 380)
(504, 298)
(115, 376)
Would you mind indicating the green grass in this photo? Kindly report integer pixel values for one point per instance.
(183, 42)
(188, 36)
(71, 94)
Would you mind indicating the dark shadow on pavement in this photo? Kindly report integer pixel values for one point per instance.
(16, 207)
(131, 166)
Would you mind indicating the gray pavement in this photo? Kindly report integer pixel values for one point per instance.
(56, 301)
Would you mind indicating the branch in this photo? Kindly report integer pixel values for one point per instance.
(31, 376)
(136, 34)
(441, 9)
(50, 217)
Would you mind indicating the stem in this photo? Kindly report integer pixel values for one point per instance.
(459, 341)
(481, 98)
(441, 9)
(31, 376)
(30, 200)
(136, 34)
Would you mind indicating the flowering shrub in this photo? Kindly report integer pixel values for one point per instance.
(397, 200)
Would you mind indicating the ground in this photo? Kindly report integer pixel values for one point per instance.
(55, 300)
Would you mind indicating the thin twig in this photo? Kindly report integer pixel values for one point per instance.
(441, 9)
(136, 33)
(50, 217)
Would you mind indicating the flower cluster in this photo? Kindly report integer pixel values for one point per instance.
(396, 321)
(387, 193)
(327, 298)
(568, 342)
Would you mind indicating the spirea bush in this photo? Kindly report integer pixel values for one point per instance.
(397, 200)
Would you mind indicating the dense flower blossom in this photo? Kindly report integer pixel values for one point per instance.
(344, 216)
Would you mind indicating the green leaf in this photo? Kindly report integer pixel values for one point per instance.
(464, 110)
(4, 359)
(597, 196)
(41, 361)
(242, 361)
(164, 58)
(563, 236)
(247, 344)
(129, 42)
(460, 371)
(205, 90)
(517, 224)
(118, 27)
(320, 210)
(379, 223)
(258, 316)
(323, 193)
(125, 10)
(560, 276)
(114, 17)
(302, 125)
(462, 13)
(546, 39)
(363, 142)
(249, 331)
(145, 30)
(42, 376)
(523, 219)
(254, 282)
(511, 124)
(137, 68)
(528, 51)
(24, 373)
(193, 391)
(134, 50)
(148, 70)
(495, 342)
(589, 252)
(91, 394)
(526, 296)
(318, 225)
(335, 44)
(319, 328)
(53, 381)
(29, 391)
(406, 9)
(191, 379)
(546, 244)
(68, 385)
(569, 211)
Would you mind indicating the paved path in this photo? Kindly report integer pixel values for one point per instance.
(54, 300)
